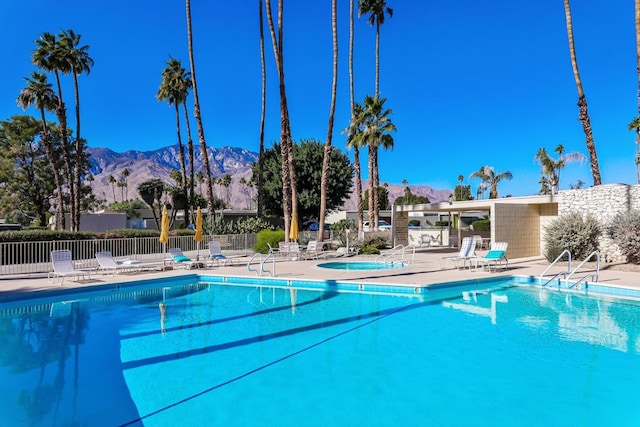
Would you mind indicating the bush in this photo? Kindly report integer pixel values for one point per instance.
(625, 231)
(481, 225)
(552, 252)
(266, 238)
(369, 250)
(377, 242)
(339, 230)
(574, 232)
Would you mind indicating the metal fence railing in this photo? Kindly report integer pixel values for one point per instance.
(35, 257)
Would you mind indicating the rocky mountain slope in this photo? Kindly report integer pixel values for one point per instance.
(237, 162)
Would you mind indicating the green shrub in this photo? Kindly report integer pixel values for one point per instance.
(481, 225)
(574, 232)
(625, 231)
(266, 238)
(252, 225)
(374, 241)
(339, 230)
(369, 250)
(552, 252)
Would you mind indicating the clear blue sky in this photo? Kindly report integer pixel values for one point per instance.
(471, 83)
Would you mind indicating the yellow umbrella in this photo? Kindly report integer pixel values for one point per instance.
(293, 230)
(198, 237)
(164, 226)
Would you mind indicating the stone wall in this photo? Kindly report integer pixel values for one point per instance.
(603, 202)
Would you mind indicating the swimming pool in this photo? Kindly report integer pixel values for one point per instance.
(360, 265)
(239, 352)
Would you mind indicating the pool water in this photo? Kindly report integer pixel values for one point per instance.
(482, 354)
(360, 265)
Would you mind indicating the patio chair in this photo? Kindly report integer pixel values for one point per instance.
(106, 262)
(215, 253)
(63, 266)
(495, 257)
(179, 258)
(467, 252)
(313, 250)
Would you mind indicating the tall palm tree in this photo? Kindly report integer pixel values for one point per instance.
(289, 186)
(635, 124)
(582, 101)
(79, 62)
(375, 129)
(376, 10)
(356, 148)
(551, 167)
(324, 180)
(113, 181)
(174, 89)
(489, 177)
(49, 56)
(39, 92)
(196, 114)
(260, 177)
(125, 179)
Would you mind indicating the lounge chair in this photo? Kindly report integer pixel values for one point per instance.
(313, 250)
(106, 262)
(63, 266)
(495, 257)
(467, 253)
(216, 255)
(179, 258)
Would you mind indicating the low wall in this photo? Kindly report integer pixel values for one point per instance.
(604, 202)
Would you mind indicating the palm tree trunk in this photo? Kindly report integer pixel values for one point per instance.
(79, 153)
(191, 156)
(637, 13)
(377, 58)
(196, 114)
(356, 150)
(46, 141)
(324, 181)
(183, 166)
(260, 180)
(371, 183)
(376, 193)
(582, 101)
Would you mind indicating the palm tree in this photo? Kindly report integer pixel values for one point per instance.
(39, 92)
(174, 89)
(356, 149)
(324, 180)
(482, 188)
(551, 167)
(375, 129)
(196, 114)
(376, 10)
(260, 180)
(80, 62)
(125, 177)
(225, 182)
(112, 181)
(635, 125)
(582, 101)
(200, 179)
(289, 186)
(489, 177)
(49, 56)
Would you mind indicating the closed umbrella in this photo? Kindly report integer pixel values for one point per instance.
(164, 228)
(198, 237)
(293, 231)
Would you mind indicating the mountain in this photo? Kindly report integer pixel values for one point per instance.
(237, 162)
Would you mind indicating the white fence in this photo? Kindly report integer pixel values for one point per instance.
(34, 257)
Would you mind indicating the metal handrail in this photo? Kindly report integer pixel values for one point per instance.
(249, 269)
(398, 249)
(593, 276)
(272, 272)
(566, 251)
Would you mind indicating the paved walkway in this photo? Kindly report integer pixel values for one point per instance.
(423, 271)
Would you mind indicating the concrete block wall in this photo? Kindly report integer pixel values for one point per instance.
(604, 202)
(518, 224)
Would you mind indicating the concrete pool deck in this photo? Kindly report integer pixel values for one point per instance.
(423, 271)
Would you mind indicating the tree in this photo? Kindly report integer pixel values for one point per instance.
(49, 56)
(289, 184)
(263, 106)
(488, 176)
(308, 154)
(461, 191)
(151, 192)
(327, 147)
(408, 198)
(198, 117)
(174, 89)
(383, 199)
(582, 101)
(26, 177)
(39, 92)
(79, 62)
(113, 181)
(374, 131)
(125, 179)
(551, 167)
(376, 10)
(225, 182)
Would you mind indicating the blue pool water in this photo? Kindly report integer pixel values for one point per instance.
(360, 265)
(487, 353)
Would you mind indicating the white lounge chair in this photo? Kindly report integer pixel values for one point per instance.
(215, 254)
(467, 253)
(179, 258)
(313, 250)
(106, 262)
(495, 257)
(63, 266)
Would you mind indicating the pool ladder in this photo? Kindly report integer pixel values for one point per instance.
(262, 263)
(567, 275)
(392, 256)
